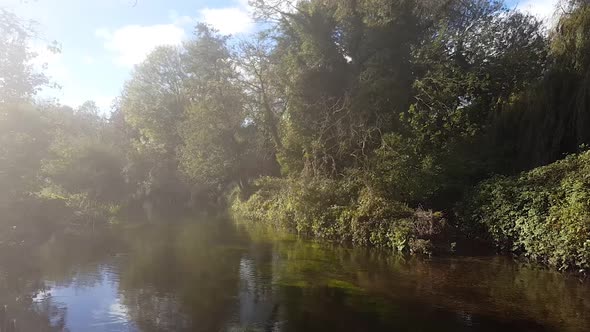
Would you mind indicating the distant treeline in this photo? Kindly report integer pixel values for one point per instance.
(366, 121)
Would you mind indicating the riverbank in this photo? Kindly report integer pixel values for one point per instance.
(343, 211)
(542, 215)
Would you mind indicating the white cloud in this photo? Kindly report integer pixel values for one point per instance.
(132, 43)
(88, 60)
(239, 17)
(72, 91)
(180, 20)
(543, 9)
(230, 20)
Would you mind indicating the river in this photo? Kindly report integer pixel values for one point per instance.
(208, 276)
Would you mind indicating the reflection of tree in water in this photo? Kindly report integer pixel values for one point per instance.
(322, 287)
(493, 288)
(315, 290)
(26, 302)
(257, 306)
(181, 278)
(295, 286)
(20, 284)
(202, 277)
(23, 315)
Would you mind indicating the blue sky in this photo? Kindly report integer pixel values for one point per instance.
(103, 39)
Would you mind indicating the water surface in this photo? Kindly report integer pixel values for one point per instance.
(207, 277)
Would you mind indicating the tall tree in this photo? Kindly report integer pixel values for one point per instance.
(215, 132)
(153, 104)
(19, 80)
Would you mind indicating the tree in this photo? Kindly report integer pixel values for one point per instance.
(216, 132)
(19, 80)
(153, 105)
(24, 139)
(473, 61)
(154, 99)
(557, 104)
(262, 85)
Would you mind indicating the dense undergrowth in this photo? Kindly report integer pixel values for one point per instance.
(500, 95)
(543, 214)
(342, 211)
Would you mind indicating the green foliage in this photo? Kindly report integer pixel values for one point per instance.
(543, 214)
(346, 77)
(57, 169)
(369, 113)
(215, 137)
(341, 211)
(405, 104)
(477, 59)
(25, 132)
(24, 136)
(403, 172)
(19, 81)
(149, 115)
(153, 100)
(87, 176)
(189, 133)
(557, 104)
(570, 43)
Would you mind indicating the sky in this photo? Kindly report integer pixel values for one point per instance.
(102, 40)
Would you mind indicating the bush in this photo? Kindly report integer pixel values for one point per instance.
(543, 214)
(339, 210)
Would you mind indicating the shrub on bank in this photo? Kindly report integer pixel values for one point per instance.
(543, 214)
(342, 211)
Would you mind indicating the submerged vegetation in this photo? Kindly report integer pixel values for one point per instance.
(401, 124)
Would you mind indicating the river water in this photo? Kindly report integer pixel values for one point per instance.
(208, 277)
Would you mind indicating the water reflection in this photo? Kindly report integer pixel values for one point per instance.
(91, 300)
(181, 278)
(211, 277)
